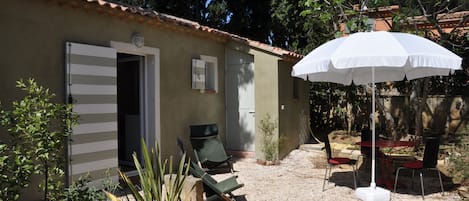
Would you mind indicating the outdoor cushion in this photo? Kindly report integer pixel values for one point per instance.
(338, 161)
(413, 165)
(203, 130)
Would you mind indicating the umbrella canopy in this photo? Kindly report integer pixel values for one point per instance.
(395, 56)
(370, 57)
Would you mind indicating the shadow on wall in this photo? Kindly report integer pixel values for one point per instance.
(241, 105)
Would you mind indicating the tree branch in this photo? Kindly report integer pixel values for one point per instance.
(461, 22)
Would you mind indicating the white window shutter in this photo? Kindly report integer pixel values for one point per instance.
(198, 74)
(91, 78)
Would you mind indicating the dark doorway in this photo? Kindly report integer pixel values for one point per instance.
(129, 107)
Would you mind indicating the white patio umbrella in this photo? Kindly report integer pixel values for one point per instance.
(369, 57)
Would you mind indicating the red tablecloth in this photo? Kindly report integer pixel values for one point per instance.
(387, 143)
(386, 179)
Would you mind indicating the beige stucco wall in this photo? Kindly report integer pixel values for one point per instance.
(33, 40)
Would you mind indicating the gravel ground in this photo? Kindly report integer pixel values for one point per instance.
(298, 178)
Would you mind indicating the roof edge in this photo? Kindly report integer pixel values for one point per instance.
(150, 17)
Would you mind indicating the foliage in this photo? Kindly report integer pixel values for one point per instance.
(274, 22)
(458, 157)
(15, 171)
(38, 129)
(353, 13)
(294, 32)
(152, 177)
(269, 140)
(81, 190)
(329, 104)
(336, 12)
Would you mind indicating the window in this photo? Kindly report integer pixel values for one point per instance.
(205, 74)
(369, 25)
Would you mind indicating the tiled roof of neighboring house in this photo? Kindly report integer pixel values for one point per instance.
(379, 12)
(445, 20)
(174, 23)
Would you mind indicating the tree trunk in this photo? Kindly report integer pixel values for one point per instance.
(420, 102)
(350, 117)
(387, 117)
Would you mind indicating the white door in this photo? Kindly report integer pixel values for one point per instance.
(240, 131)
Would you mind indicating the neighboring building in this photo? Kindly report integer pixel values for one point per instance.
(134, 73)
(380, 19)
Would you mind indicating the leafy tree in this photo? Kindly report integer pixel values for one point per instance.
(294, 32)
(334, 13)
(38, 129)
(353, 15)
(15, 171)
(250, 19)
(217, 15)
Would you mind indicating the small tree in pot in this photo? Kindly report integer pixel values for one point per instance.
(269, 140)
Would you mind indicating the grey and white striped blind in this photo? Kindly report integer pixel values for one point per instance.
(91, 75)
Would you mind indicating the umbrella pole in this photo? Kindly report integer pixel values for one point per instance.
(373, 132)
(373, 193)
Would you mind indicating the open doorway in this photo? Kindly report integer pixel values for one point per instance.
(130, 108)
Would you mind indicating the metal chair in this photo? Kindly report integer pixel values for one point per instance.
(430, 159)
(335, 161)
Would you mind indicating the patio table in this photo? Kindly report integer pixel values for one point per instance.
(386, 179)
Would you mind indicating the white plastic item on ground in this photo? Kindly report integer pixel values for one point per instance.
(373, 194)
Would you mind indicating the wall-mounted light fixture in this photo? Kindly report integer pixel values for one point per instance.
(138, 40)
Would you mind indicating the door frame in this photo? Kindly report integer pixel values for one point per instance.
(151, 88)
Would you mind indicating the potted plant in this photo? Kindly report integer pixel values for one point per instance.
(269, 141)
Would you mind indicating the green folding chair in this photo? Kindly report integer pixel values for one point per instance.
(215, 190)
(208, 149)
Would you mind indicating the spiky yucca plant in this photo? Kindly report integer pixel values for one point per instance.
(151, 178)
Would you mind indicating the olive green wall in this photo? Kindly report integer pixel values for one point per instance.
(266, 94)
(33, 40)
(291, 109)
(274, 88)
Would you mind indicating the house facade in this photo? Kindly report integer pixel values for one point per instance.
(132, 73)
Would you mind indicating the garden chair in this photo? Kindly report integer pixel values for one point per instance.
(336, 161)
(429, 162)
(208, 149)
(215, 190)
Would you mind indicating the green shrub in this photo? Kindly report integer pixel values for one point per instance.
(37, 130)
(81, 190)
(269, 141)
(458, 157)
(15, 172)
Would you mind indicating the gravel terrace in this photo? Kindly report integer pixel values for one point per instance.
(298, 178)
